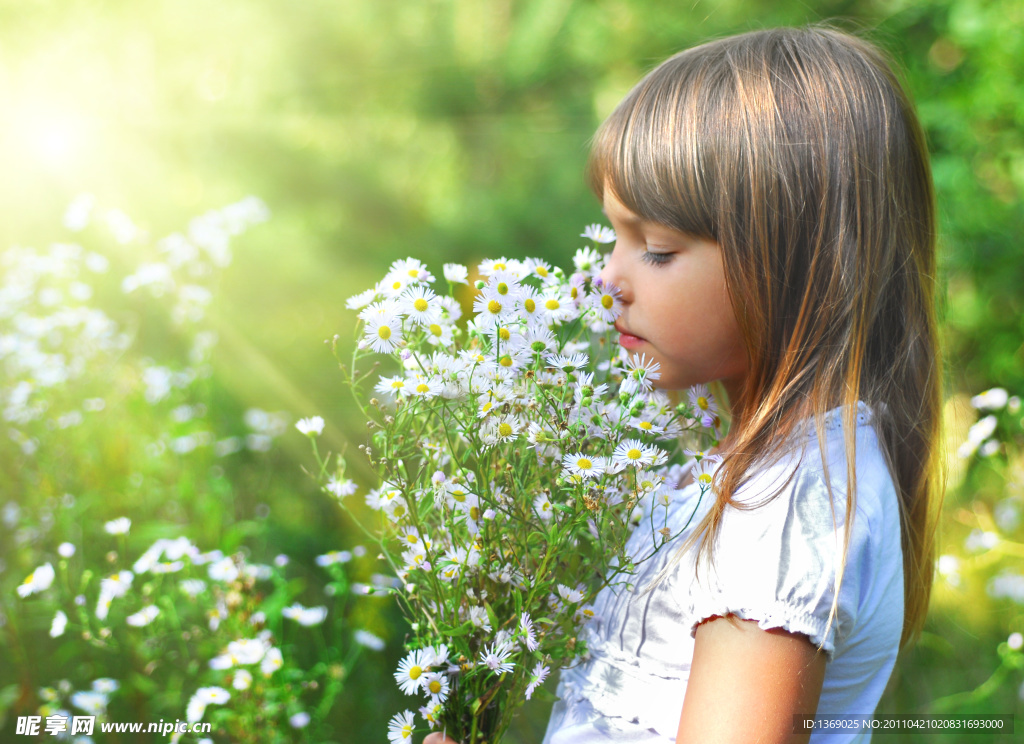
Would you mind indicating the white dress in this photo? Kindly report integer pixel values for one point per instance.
(776, 564)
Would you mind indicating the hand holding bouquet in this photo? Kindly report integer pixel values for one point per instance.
(516, 453)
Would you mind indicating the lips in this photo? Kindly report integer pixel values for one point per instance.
(627, 339)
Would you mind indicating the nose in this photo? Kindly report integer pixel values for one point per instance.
(613, 274)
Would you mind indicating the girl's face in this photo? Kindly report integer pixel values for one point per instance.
(676, 308)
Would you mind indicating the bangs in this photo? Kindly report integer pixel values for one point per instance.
(658, 150)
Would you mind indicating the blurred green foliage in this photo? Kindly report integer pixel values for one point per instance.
(452, 130)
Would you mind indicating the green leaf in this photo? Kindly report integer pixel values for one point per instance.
(490, 614)
(463, 629)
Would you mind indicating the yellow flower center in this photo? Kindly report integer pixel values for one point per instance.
(634, 454)
(499, 266)
(415, 672)
(552, 304)
(412, 538)
(502, 288)
(530, 305)
(474, 513)
(541, 271)
(607, 301)
(504, 429)
(704, 479)
(645, 425)
(702, 403)
(423, 388)
(584, 464)
(406, 732)
(646, 484)
(397, 385)
(396, 285)
(504, 333)
(399, 510)
(506, 361)
(414, 273)
(420, 304)
(384, 332)
(574, 292)
(435, 329)
(434, 686)
(494, 306)
(459, 496)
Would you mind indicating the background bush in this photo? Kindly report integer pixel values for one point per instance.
(448, 130)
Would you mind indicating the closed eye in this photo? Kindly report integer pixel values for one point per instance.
(656, 259)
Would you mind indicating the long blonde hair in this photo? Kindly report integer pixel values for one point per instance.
(799, 153)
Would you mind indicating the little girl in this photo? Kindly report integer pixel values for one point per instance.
(772, 201)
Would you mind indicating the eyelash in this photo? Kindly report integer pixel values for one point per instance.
(656, 259)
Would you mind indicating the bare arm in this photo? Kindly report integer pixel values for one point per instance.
(746, 684)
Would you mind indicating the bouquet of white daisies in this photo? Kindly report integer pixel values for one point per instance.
(516, 452)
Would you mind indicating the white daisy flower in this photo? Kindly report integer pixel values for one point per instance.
(223, 570)
(436, 685)
(192, 587)
(65, 550)
(382, 334)
(411, 670)
(424, 387)
(440, 334)
(588, 261)
(648, 481)
(492, 310)
(400, 727)
(538, 675)
(585, 466)
(607, 303)
(542, 270)
(493, 265)
(456, 273)
(495, 658)
(59, 623)
(556, 306)
(92, 702)
(340, 487)
(529, 634)
(118, 526)
(242, 679)
(598, 233)
(272, 661)
(205, 696)
(633, 453)
(421, 306)
(542, 505)
(530, 307)
(704, 472)
(386, 308)
(334, 556)
(361, 300)
(392, 387)
(503, 285)
(990, 400)
(393, 285)
(143, 617)
(412, 269)
(310, 426)
(299, 720)
(572, 596)
(569, 363)
(306, 616)
(703, 402)
(38, 581)
(368, 640)
(641, 373)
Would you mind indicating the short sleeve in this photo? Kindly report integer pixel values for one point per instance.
(776, 562)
